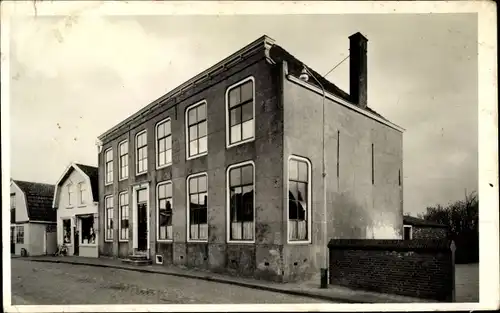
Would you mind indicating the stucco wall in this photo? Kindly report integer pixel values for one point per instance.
(37, 238)
(65, 211)
(356, 208)
(21, 212)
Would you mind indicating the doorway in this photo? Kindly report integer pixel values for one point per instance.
(12, 239)
(142, 220)
(76, 251)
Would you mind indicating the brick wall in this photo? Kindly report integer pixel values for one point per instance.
(417, 268)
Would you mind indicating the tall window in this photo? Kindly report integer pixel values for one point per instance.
(81, 192)
(12, 208)
(124, 211)
(20, 234)
(108, 161)
(163, 143)
(66, 231)
(197, 211)
(71, 195)
(123, 150)
(241, 201)
(164, 211)
(142, 153)
(298, 199)
(196, 131)
(240, 106)
(108, 202)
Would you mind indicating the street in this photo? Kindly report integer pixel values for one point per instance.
(35, 283)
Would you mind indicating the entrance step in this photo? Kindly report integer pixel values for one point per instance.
(137, 259)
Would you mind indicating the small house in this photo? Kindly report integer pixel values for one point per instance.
(417, 228)
(75, 199)
(33, 220)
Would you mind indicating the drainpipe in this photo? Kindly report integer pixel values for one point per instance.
(324, 250)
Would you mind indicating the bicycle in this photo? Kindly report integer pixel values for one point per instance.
(62, 250)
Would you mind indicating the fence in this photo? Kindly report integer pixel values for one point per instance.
(422, 268)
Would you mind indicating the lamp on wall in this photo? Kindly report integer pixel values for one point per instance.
(304, 75)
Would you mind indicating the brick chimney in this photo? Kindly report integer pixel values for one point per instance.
(358, 69)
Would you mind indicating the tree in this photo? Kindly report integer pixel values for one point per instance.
(461, 217)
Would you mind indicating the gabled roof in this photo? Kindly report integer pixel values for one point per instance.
(89, 172)
(413, 221)
(92, 172)
(38, 200)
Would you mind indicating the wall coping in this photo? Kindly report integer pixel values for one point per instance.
(443, 245)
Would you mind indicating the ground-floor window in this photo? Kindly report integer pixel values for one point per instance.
(12, 234)
(164, 211)
(108, 205)
(241, 201)
(20, 234)
(66, 231)
(197, 210)
(123, 216)
(298, 198)
(88, 234)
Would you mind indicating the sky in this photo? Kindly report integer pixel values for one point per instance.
(73, 78)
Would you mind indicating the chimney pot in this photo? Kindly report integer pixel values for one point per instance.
(358, 71)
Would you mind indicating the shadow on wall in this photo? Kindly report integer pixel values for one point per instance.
(353, 220)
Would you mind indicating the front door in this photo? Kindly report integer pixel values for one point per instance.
(76, 241)
(142, 220)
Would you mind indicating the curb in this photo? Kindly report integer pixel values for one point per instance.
(211, 279)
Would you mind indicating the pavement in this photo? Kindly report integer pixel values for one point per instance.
(307, 289)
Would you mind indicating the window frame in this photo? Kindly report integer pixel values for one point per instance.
(19, 227)
(157, 158)
(186, 128)
(81, 193)
(136, 165)
(309, 200)
(70, 231)
(411, 231)
(228, 117)
(80, 229)
(70, 192)
(228, 203)
(188, 213)
(106, 217)
(120, 206)
(120, 178)
(106, 162)
(166, 182)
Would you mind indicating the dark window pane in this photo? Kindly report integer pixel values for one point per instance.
(235, 177)
(247, 175)
(234, 97)
(247, 204)
(303, 171)
(247, 110)
(292, 209)
(301, 212)
(302, 192)
(247, 91)
(235, 116)
(203, 218)
(293, 190)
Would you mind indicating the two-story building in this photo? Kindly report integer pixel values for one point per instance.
(33, 220)
(250, 167)
(76, 201)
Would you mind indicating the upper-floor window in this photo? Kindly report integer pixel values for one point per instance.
(123, 151)
(71, 195)
(108, 165)
(108, 209)
(197, 207)
(241, 201)
(142, 153)
(196, 129)
(164, 211)
(81, 191)
(299, 199)
(240, 105)
(163, 143)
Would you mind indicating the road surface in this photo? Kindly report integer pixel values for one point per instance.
(35, 283)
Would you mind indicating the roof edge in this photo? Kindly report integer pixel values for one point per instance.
(264, 41)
